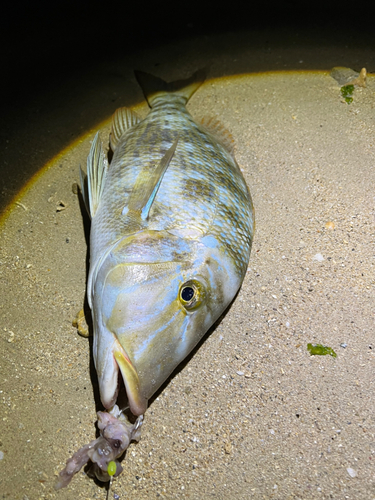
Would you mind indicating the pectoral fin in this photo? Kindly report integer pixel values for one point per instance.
(147, 184)
(96, 171)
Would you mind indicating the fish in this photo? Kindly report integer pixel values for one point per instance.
(172, 223)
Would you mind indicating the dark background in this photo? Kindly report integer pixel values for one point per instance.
(45, 40)
(48, 49)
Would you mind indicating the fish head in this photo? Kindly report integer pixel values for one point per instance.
(155, 296)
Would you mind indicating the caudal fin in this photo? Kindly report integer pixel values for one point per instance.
(154, 87)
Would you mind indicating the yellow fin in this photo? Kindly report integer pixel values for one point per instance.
(217, 129)
(154, 87)
(122, 120)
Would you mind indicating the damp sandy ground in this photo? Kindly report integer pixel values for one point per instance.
(251, 414)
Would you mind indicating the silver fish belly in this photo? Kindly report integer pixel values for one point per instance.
(171, 233)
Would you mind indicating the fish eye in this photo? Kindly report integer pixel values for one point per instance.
(192, 294)
(187, 293)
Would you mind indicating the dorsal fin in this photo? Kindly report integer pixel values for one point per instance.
(147, 184)
(216, 128)
(154, 87)
(122, 120)
(96, 171)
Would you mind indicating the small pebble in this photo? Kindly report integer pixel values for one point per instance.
(343, 345)
(347, 76)
(318, 257)
(228, 448)
(60, 206)
(240, 373)
(330, 225)
(1, 455)
(75, 188)
(351, 472)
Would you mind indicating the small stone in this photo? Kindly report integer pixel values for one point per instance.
(60, 206)
(1, 455)
(330, 225)
(343, 344)
(347, 76)
(318, 257)
(351, 472)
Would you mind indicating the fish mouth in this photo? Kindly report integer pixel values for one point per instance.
(120, 361)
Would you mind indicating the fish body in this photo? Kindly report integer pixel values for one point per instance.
(171, 233)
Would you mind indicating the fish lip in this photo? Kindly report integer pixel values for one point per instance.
(137, 401)
(117, 361)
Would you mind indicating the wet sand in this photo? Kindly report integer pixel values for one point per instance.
(251, 414)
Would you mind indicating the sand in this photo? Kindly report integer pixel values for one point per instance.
(250, 414)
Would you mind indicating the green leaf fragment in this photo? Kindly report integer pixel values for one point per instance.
(347, 93)
(321, 350)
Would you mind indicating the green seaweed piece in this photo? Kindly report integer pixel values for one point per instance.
(347, 93)
(321, 350)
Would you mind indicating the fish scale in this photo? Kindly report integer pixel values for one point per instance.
(196, 150)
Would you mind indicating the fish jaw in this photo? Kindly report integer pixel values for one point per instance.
(109, 276)
(110, 358)
(137, 402)
(106, 367)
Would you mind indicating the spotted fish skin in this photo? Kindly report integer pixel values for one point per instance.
(196, 230)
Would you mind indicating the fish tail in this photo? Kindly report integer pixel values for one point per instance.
(154, 87)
